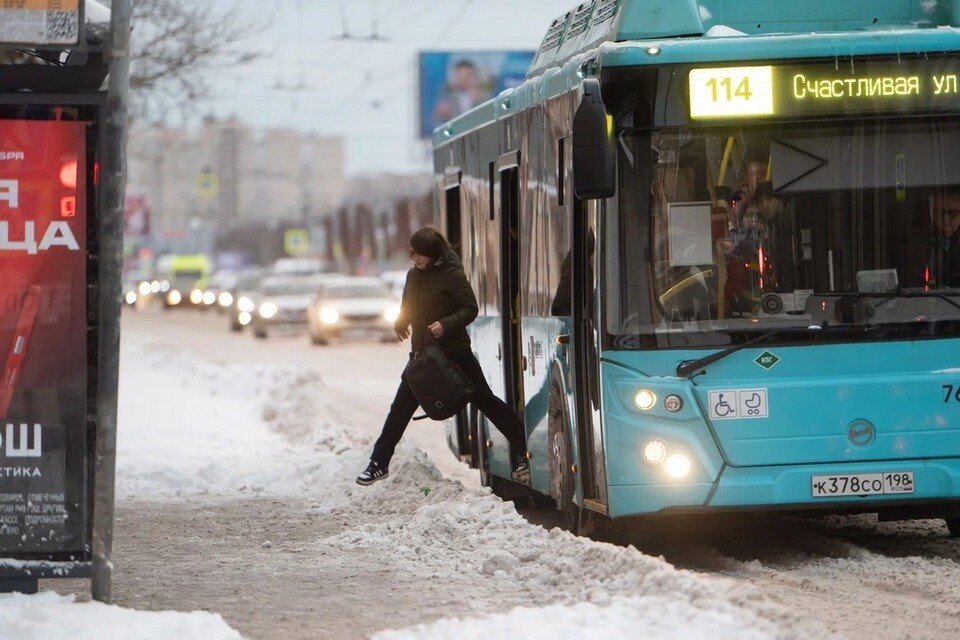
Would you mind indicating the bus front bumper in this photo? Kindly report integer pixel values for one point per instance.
(789, 487)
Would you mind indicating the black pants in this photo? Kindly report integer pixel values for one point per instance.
(405, 404)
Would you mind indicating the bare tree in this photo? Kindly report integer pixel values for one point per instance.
(176, 43)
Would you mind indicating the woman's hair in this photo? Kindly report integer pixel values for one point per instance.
(429, 242)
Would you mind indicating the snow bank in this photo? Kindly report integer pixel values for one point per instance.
(188, 427)
(651, 617)
(47, 616)
(434, 527)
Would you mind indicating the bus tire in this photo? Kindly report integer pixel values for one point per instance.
(953, 525)
(562, 478)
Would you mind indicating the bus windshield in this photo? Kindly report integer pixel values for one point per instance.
(848, 229)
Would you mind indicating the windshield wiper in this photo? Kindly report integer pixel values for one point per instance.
(687, 367)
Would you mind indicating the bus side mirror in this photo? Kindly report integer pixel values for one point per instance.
(594, 148)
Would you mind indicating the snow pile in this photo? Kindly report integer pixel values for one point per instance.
(433, 527)
(649, 617)
(47, 615)
(190, 427)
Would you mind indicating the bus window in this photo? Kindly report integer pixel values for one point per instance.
(754, 229)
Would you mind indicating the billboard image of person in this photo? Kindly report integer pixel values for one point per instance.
(452, 83)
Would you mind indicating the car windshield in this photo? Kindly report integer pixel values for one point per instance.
(297, 287)
(729, 232)
(341, 292)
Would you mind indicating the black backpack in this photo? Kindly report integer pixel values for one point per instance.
(439, 385)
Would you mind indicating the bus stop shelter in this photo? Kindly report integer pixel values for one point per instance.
(63, 96)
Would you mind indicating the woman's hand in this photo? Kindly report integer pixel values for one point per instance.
(436, 329)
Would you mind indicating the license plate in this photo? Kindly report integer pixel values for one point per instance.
(862, 484)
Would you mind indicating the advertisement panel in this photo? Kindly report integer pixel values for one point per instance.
(43, 337)
(453, 82)
(40, 22)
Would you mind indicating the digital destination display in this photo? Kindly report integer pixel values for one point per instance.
(797, 90)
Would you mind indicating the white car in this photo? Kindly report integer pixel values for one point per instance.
(353, 307)
(282, 302)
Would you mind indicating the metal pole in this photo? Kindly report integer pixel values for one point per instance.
(111, 256)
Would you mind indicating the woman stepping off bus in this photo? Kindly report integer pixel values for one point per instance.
(439, 304)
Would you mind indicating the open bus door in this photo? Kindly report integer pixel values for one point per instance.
(508, 174)
(594, 180)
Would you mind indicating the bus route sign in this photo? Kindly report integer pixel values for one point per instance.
(40, 22)
(798, 90)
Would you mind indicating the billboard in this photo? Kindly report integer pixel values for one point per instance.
(453, 82)
(40, 22)
(43, 336)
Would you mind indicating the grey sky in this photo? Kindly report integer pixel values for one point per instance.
(365, 90)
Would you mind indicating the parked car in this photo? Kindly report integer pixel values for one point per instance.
(353, 307)
(283, 301)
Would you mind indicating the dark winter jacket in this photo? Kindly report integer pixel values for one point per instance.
(438, 293)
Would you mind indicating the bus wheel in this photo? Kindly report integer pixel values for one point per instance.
(953, 525)
(562, 478)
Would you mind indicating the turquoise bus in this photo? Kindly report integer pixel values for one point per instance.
(715, 249)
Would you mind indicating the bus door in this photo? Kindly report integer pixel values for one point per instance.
(511, 353)
(586, 343)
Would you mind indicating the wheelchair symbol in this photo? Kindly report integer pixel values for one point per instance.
(723, 409)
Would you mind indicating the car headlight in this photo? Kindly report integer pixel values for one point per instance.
(225, 299)
(246, 304)
(392, 313)
(164, 286)
(131, 297)
(144, 288)
(244, 318)
(209, 297)
(268, 310)
(329, 315)
(174, 297)
(155, 286)
(196, 296)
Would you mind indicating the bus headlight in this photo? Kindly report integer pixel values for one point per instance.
(144, 288)
(246, 305)
(392, 313)
(654, 452)
(196, 296)
(645, 399)
(174, 298)
(268, 310)
(225, 299)
(329, 316)
(209, 298)
(131, 297)
(678, 466)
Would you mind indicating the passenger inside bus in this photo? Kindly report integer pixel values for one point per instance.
(945, 250)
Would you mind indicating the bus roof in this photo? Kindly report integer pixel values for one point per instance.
(656, 32)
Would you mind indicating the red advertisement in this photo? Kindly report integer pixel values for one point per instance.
(43, 334)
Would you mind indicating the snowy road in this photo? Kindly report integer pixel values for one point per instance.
(237, 497)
